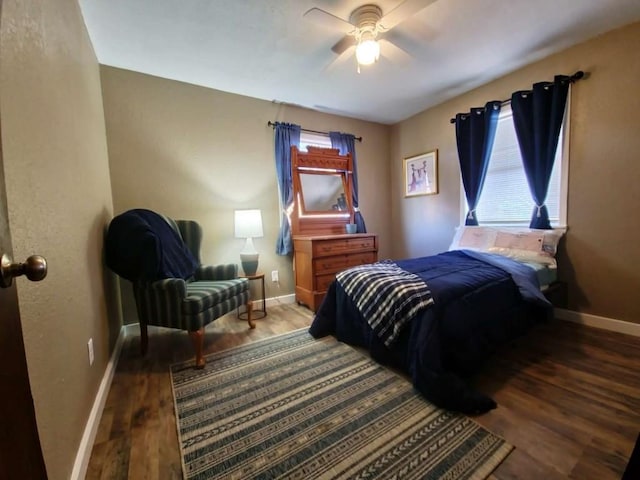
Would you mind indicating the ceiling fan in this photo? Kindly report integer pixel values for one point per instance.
(366, 28)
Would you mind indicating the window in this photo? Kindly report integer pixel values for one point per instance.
(314, 140)
(506, 198)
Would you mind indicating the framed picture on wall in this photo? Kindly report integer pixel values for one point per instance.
(421, 174)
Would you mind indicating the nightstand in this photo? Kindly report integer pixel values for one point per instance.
(261, 313)
(557, 294)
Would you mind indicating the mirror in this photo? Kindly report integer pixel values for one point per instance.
(322, 192)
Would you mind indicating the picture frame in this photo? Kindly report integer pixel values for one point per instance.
(421, 174)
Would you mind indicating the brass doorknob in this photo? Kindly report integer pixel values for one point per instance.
(35, 268)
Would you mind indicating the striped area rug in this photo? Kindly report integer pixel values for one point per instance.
(295, 407)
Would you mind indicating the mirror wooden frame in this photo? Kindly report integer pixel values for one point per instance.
(319, 160)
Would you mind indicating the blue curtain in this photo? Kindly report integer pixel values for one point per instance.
(537, 116)
(286, 135)
(346, 143)
(475, 132)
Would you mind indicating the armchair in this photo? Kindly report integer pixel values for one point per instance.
(171, 287)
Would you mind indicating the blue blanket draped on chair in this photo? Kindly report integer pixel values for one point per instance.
(142, 245)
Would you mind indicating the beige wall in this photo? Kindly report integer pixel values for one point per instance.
(59, 202)
(202, 153)
(196, 153)
(600, 256)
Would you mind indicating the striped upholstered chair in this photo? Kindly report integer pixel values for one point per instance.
(191, 304)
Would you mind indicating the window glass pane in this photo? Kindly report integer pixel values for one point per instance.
(506, 197)
(314, 140)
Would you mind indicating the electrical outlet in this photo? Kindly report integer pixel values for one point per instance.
(274, 276)
(90, 348)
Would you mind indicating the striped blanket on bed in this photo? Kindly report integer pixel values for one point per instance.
(387, 296)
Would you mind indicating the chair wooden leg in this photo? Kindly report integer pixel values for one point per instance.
(198, 344)
(144, 338)
(252, 324)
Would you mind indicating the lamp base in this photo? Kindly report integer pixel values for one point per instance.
(249, 263)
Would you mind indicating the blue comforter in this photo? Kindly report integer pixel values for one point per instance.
(480, 302)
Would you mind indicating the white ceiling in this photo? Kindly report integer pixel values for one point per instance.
(266, 49)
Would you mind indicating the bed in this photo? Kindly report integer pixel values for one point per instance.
(439, 318)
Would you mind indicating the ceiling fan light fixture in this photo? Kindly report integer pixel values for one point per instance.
(367, 52)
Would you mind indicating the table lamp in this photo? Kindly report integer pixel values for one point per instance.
(248, 224)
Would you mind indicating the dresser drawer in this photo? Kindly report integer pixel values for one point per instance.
(323, 281)
(340, 262)
(343, 245)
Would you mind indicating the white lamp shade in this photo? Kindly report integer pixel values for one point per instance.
(248, 224)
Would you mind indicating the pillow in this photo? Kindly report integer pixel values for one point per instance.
(473, 238)
(524, 244)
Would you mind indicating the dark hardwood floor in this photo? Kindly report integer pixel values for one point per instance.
(568, 399)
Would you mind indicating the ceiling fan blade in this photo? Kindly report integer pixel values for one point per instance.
(402, 12)
(393, 52)
(344, 43)
(320, 17)
(341, 59)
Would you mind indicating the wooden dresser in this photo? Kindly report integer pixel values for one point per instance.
(319, 257)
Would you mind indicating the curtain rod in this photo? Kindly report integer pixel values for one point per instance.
(573, 78)
(271, 124)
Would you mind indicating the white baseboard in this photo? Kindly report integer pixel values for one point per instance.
(81, 463)
(284, 299)
(605, 323)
